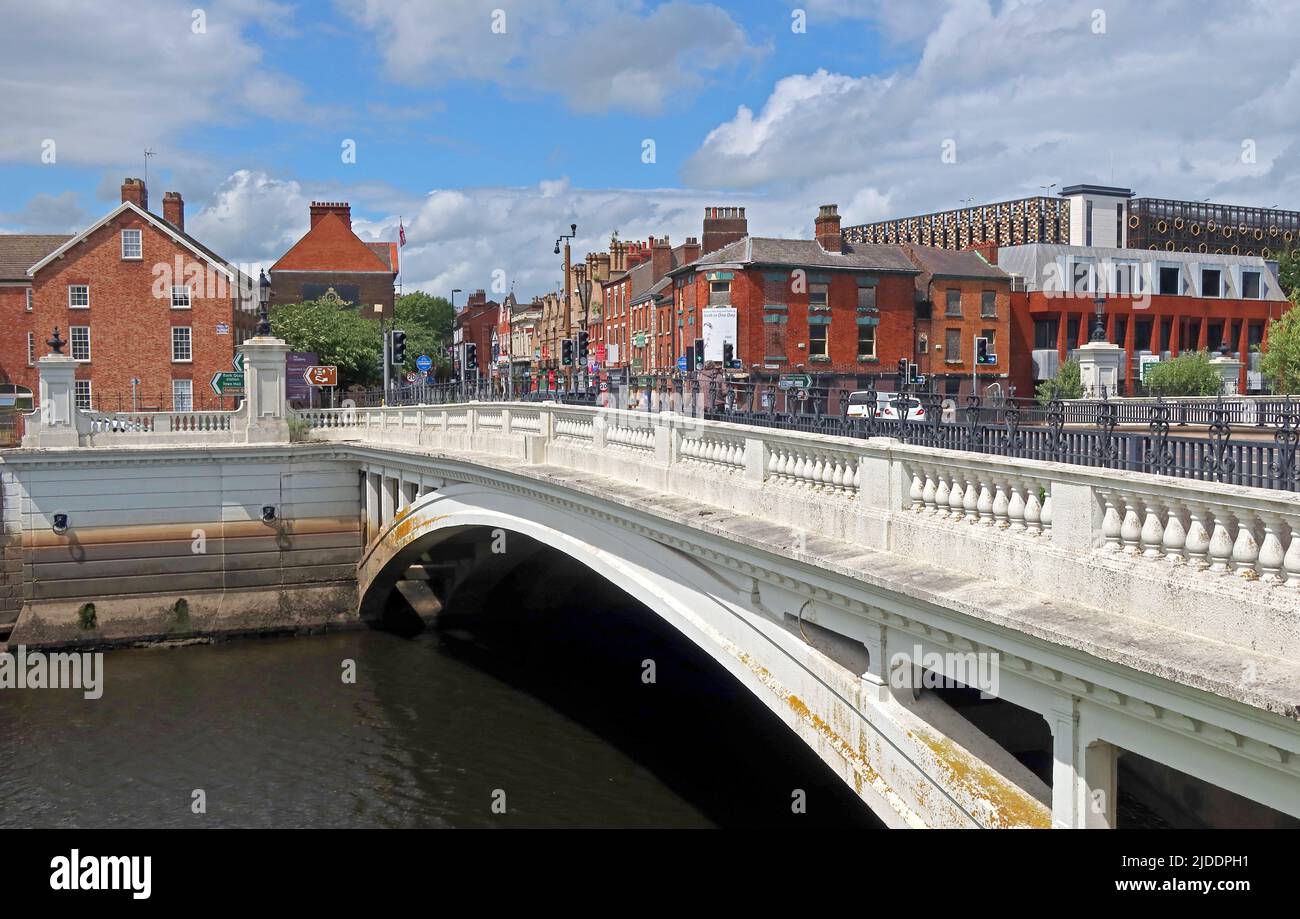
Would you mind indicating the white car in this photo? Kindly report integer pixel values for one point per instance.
(884, 408)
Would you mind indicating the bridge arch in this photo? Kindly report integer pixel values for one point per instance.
(708, 605)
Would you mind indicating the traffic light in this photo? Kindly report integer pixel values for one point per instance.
(582, 349)
(566, 352)
(699, 352)
(471, 356)
(902, 368)
(911, 372)
(690, 359)
(398, 348)
(728, 353)
(982, 355)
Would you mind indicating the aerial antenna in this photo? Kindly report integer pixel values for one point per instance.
(147, 153)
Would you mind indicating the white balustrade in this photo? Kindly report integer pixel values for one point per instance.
(726, 453)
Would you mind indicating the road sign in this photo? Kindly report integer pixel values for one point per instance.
(801, 395)
(238, 362)
(681, 363)
(423, 363)
(795, 381)
(322, 375)
(223, 381)
(412, 377)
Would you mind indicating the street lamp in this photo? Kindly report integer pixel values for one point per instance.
(1098, 322)
(568, 290)
(263, 302)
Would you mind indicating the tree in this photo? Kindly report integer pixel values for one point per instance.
(1280, 362)
(1189, 374)
(1288, 273)
(1068, 384)
(427, 322)
(337, 333)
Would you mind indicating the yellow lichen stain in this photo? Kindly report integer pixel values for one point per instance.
(1014, 807)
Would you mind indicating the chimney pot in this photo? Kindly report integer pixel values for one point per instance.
(134, 190)
(174, 209)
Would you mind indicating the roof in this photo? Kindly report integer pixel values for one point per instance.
(170, 229)
(387, 253)
(1111, 191)
(949, 263)
(332, 246)
(20, 251)
(807, 253)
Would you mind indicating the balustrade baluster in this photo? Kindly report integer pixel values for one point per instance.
(1130, 531)
(1198, 537)
(928, 495)
(1016, 506)
(1111, 524)
(981, 506)
(1174, 537)
(1033, 510)
(1153, 532)
(916, 492)
(941, 496)
(1291, 561)
(1271, 554)
(1220, 549)
(1245, 548)
(1045, 516)
(1000, 505)
(956, 499)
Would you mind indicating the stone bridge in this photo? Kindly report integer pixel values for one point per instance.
(864, 590)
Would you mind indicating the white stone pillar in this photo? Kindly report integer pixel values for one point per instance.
(266, 395)
(58, 404)
(388, 500)
(1063, 719)
(1230, 372)
(1099, 365)
(1100, 762)
(372, 507)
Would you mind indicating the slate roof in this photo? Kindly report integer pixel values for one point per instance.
(20, 251)
(795, 253)
(331, 246)
(949, 263)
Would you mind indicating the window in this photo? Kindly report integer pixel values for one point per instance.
(817, 294)
(867, 298)
(1045, 331)
(774, 333)
(992, 336)
(1169, 281)
(1249, 285)
(719, 292)
(29, 299)
(817, 341)
(131, 245)
(78, 296)
(953, 303)
(79, 336)
(1080, 277)
(866, 342)
(31, 349)
(989, 304)
(1087, 223)
(1128, 279)
(182, 395)
(952, 346)
(81, 390)
(1210, 282)
(181, 350)
(180, 298)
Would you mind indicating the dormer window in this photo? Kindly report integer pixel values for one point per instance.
(132, 245)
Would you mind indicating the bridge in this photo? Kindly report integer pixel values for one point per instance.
(924, 618)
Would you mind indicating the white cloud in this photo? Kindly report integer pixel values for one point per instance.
(1162, 101)
(614, 56)
(104, 80)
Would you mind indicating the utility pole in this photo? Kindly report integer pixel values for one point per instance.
(568, 299)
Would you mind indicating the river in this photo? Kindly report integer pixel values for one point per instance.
(541, 713)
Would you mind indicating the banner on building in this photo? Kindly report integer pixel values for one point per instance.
(719, 330)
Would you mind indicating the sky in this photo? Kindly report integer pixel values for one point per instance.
(487, 128)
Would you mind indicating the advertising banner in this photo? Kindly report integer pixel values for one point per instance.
(719, 329)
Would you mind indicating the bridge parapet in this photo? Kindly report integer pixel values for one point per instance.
(1214, 560)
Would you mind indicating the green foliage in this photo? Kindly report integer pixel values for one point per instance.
(1068, 384)
(1280, 362)
(1189, 374)
(1288, 273)
(299, 430)
(337, 333)
(86, 619)
(427, 322)
(181, 611)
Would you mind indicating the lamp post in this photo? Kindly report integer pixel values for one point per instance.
(263, 304)
(584, 296)
(568, 290)
(1099, 319)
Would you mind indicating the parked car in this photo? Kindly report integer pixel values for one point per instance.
(884, 408)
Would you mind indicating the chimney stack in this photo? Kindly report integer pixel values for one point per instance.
(723, 226)
(661, 259)
(320, 208)
(133, 190)
(827, 228)
(690, 250)
(174, 209)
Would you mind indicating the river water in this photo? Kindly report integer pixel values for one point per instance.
(542, 711)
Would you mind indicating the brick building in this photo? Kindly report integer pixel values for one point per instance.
(842, 314)
(475, 324)
(330, 262)
(960, 296)
(137, 299)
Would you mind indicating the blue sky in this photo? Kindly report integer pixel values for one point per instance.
(487, 141)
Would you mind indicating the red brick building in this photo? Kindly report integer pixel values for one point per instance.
(331, 262)
(475, 323)
(150, 311)
(841, 314)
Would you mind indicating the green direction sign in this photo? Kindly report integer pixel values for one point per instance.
(238, 362)
(225, 380)
(795, 381)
